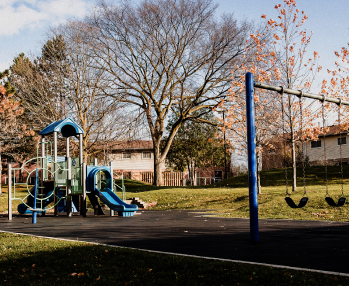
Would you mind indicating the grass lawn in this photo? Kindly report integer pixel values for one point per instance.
(230, 197)
(26, 260)
(37, 261)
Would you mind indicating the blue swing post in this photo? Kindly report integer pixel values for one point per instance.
(35, 214)
(252, 158)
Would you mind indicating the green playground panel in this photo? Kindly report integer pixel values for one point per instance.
(76, 187)
(61, 173)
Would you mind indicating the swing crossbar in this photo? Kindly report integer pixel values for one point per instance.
(299, 93)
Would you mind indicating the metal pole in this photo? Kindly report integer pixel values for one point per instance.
(112, 184)
(41, 176)
(252, 158)
(68, 191)
(9, 191)
(83, 198)
(83, 177)
(67, 140)
(299, 93)
(80, 149)
(55, 169)
(35, 214)
(225, 151)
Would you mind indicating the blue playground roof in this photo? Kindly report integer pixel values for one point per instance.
(66, 126)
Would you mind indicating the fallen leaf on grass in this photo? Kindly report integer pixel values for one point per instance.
(72, 274)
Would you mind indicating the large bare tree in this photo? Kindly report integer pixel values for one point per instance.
(163, 54)
(63, 83)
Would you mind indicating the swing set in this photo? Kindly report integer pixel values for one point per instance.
(251, 146)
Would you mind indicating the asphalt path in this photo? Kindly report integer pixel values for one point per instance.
(318, 245)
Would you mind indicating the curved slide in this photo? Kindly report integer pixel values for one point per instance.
(115, 203)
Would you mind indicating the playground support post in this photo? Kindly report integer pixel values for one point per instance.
(9, 191)
(67, 147)
(83, 197)
(112, 185)
(252, 158)
(35, 213)
(69, 204)
(54, 169)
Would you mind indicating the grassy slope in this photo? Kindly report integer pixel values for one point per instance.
(231, 196)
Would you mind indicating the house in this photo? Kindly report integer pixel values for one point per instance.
(335, 143)
(134, 159)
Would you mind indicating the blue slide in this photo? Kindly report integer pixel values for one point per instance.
(115, 203)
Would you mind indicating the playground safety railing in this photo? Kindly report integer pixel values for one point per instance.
(122, 187)
(45, 173)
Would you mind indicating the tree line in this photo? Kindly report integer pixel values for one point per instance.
(163, 69)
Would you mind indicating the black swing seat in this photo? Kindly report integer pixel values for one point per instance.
(332, 203)
(292, 204)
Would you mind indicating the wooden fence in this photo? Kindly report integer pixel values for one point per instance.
(168, 178)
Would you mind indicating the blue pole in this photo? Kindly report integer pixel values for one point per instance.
(252, 158)
(35, 192)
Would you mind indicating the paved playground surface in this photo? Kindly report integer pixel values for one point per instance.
(320, 245)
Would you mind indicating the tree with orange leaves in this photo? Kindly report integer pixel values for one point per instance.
(295, 70)
(279, 60)
(338, 85)
(9, 111)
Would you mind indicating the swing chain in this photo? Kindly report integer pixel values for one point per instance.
(325, 155)
(340, 142)
(301, 140)
(283, 130)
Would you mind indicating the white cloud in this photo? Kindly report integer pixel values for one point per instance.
(18, 15)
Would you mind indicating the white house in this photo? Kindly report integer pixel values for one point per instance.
(336, 145)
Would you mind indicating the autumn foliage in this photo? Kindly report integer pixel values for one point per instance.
(277, 56)
(9, 107)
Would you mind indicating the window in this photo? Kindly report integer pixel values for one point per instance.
(146, 155)
(315, 144)
(126, 155)
(342, 141)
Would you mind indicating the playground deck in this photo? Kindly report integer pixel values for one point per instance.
(319, 245)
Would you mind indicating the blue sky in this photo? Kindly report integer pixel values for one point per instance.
(24, 23)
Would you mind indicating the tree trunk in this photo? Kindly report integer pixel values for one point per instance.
(157, 164)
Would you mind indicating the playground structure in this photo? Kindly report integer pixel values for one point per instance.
(250, 84)
(62, 183)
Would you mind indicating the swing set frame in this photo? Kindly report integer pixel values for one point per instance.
(250, 85)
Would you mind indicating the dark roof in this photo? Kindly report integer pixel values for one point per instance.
(334, 130)
(131, 145)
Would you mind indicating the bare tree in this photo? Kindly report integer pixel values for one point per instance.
(63, 83)
(163, 54)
